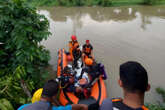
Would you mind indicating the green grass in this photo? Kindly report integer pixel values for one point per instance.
(159, 105)
(126, 2)
(106, 3)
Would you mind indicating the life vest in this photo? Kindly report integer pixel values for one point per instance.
(116, 100)
(87, 50)
(72, 46)
(85, 56)
(75, 45)
(119, 100)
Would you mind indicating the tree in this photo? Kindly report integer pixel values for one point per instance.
(23, 59)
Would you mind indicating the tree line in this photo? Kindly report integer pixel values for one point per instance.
(93, 2)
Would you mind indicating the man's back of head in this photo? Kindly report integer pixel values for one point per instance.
(50, 89)
(134, 82)
(49, 93)
(134, 77)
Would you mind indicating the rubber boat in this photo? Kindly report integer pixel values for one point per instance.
(98, 90)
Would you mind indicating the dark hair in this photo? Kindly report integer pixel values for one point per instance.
(134, 77)
(67, 70)
(50, 88)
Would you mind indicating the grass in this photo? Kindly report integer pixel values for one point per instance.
(158, 105)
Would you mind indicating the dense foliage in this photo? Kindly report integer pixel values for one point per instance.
(23, 59)
(159, 105)
(92, 2)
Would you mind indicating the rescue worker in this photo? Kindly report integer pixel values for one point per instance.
(68, 80)
(87, 50)
(49, 94)
(73, 44)
(76, 55)
(92, 68)
(134, 82)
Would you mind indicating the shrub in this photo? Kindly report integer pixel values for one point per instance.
(23, 59)
(159, 105)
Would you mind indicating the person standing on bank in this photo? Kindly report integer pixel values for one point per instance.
(134, 82)
(47, 102)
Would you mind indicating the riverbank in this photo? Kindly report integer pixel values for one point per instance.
(106, 3)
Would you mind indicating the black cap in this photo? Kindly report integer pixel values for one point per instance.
(50, 88)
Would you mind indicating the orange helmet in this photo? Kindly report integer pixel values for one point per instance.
(88, 61)
(73, 37)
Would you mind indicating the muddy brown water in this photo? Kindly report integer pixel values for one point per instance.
(118, 34)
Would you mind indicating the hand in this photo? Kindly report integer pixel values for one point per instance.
(79, 107)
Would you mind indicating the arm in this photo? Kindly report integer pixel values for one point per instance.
(106, 105)
(92, 52)
(70, 44)
(56, 102)
(80, 54)
(73, 53)
(83, 48)
(83, 57)
(79, 107)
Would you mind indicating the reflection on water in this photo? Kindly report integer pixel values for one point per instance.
(118, 34)
(99, 14)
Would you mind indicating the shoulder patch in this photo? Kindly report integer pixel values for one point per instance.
(144, 108)
(116, 100)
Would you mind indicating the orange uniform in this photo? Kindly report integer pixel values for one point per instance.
(73, 45)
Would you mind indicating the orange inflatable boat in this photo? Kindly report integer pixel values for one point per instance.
(98, 90)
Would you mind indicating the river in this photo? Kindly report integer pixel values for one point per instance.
(118, 34)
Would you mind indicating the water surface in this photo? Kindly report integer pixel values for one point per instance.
(118, 34)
